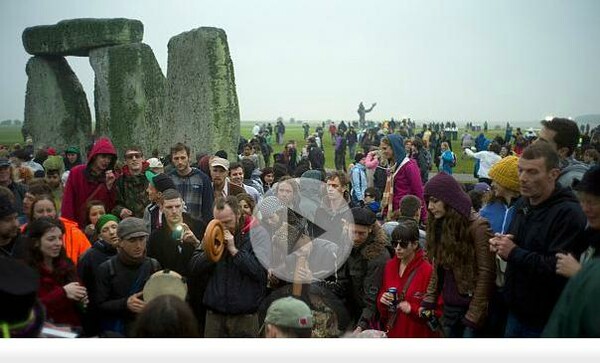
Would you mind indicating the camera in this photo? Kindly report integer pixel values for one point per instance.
(430, 319)
(177, 233)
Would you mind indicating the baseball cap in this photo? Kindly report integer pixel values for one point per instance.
(217, 161)
(289, 312)
(131, 227)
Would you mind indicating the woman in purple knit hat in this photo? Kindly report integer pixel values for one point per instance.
(463, 266)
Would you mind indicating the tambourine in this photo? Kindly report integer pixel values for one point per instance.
(165, 282)
(214, 240)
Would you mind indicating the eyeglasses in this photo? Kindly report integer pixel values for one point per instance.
(368, 196)
(400, 243)
(133, 156)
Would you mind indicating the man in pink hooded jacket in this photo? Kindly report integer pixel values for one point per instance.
(93, 181)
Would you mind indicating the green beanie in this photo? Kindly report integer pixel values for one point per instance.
(72, 150)
(104, 219)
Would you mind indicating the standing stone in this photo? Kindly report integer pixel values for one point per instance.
(56, 109)
(79, 36)
(129, 96)
(202, 105)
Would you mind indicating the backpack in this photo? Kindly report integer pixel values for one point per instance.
(453, 162)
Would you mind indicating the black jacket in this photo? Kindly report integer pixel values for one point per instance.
(114, 286)
(176, 257)
(236, 285)
(87, 269)
(316, 157)
(169, 252)
(17, 248)
(359, 278)
(89, 262)
(532, 285)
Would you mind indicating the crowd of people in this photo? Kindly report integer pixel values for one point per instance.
(118, 247)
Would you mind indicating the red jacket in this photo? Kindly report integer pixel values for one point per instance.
(59, 308)
(82, 187)
(407, 326)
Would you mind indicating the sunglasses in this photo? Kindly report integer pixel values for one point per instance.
(400, 243)
(368, 196)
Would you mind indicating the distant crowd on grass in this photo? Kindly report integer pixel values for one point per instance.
(123, 248)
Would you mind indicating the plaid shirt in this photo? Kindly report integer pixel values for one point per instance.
(197, 193)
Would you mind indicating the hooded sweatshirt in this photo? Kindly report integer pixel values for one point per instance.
(407, 176)
(532, 284)
(83, 187)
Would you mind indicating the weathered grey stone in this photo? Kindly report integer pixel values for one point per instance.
(79, 36)
(202, 105)
(56, 109)
(129, 95)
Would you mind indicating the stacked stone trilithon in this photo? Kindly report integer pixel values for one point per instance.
(56, 110)
(135, 104)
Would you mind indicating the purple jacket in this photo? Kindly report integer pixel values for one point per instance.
(408, 181)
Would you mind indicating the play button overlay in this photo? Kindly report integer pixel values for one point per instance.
(306, 222)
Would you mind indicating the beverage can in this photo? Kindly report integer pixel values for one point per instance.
(394, 292)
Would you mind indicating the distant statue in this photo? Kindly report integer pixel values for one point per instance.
(362, 111)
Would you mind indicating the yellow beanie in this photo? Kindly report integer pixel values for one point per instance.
(506, 173)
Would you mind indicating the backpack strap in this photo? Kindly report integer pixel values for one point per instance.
(155, 265)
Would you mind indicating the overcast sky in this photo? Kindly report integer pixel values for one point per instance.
(314, 60)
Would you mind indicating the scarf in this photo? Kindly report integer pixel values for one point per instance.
(388, 193)
(128, 260)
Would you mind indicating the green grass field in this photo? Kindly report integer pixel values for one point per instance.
(295, 132)
(10, 135)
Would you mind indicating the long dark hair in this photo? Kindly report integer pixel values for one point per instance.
(453, 248)
(63, 267)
